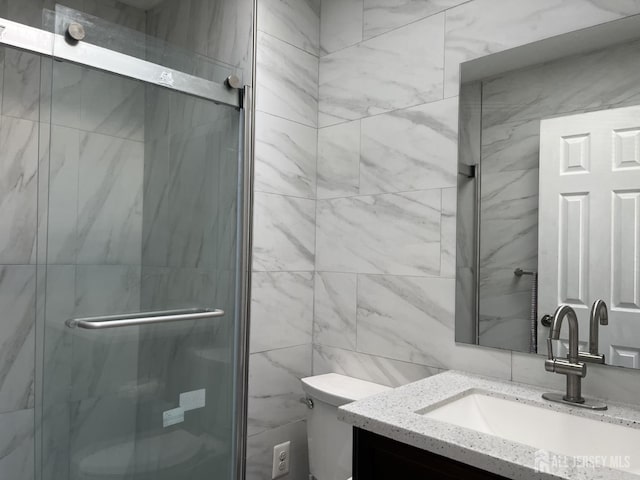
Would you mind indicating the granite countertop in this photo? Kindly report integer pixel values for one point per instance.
(393, 415)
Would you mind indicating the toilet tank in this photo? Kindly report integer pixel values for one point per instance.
(330, 441)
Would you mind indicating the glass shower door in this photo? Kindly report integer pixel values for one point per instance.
(140, 242)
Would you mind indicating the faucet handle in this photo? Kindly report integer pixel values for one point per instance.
(591, 357)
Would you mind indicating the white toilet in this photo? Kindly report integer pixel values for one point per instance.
(330, 440)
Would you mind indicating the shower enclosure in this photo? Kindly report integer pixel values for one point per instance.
(135, 152)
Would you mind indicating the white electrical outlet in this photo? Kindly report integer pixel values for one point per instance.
(280, 460)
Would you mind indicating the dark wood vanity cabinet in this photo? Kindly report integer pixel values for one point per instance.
(379, 458)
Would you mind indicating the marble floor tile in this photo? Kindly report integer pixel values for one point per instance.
(340, 24)
(372, 368)
(482, 27)
(296, 22)
(339, 160)
(410, 149)
(287, 81)
(285, 157)
(17, 337)
(393, 233)
(281, 302)
(275, 388)
(284, 233)
(380, 16)
(334, 321)
(18, 190)
(354, 85)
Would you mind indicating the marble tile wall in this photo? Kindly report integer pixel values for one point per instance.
(284, 230)
(388, 118)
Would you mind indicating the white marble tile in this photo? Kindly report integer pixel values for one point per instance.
(410, 149)
(591, 81)
(505, 303)
(406, 318)
(275, 389)
(104, 363)
(260, 451)
(27, 12)
(339, 160)
(21, 85)
(293, 21)
(511, 146)
(287, 81)
(399, 69)
(509, 213)
(482, 361)
(112, 105)
(334, 320)
(281, 310)
(113, 11)
(18, 190)
(340, 24)
(109, 226)
(64, 164)
(384, 371)
(285, 157)
(17, 445)
(17, 337)
(448, 233)
(155, 203)
(229, 31)
(482, 27)
(192, 187)
(393, 233)
(59, 297)
(380, 16)
(284, 233)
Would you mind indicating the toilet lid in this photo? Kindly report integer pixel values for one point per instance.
(156, 452)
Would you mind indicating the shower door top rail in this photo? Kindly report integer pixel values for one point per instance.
(143, 318)
(39, 41)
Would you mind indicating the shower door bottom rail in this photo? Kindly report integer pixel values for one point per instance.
(143, 318)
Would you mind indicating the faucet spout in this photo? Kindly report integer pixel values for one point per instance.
(556, 325)
(599, 315)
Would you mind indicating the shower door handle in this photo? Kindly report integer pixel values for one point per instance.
(143, 318)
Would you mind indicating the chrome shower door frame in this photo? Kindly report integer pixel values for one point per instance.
(30, 39)
(35, 40)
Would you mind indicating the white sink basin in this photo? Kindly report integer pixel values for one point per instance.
(561, 433)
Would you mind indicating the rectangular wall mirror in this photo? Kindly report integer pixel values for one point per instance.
(549, 191)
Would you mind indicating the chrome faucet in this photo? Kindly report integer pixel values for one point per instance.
(598, 316)
(574, 370)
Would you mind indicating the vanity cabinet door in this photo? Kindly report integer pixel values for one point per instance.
(379, 458)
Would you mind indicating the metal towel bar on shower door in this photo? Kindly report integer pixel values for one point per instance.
(143, 318)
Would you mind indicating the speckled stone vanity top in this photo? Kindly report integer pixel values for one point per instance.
(393, 415)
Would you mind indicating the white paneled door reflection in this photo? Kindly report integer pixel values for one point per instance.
(589, 235)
